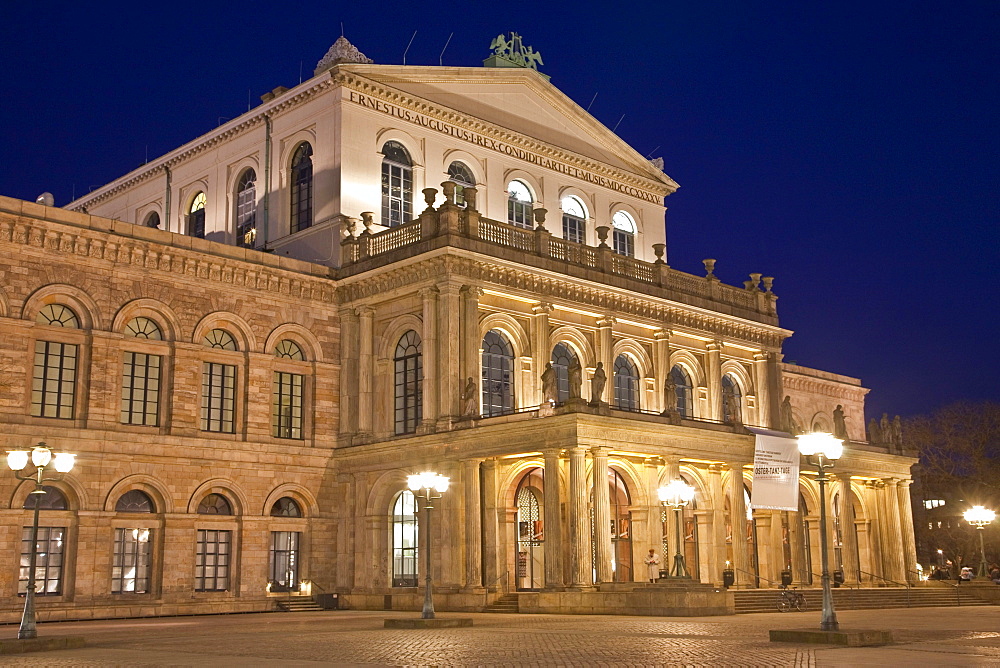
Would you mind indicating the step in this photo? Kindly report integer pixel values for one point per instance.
(765, 600)
(293, 605)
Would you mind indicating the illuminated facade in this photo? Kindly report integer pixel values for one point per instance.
(435, 237)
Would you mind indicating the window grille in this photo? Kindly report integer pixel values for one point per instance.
(286, 409)
(302, 188)
(211, 571)
(140, 389)
(397, 185)
(48, 560)
(408, 363)
(246, 209)
(53, 385)
(218, 397)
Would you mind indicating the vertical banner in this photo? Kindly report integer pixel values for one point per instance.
(775, 471)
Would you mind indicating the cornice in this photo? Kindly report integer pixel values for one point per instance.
(829, 388)
(76, 243)
(550, 288)
(390, 95)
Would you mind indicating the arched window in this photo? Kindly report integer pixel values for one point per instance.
(562, 359)
(53, 389)
(626, 384)
(519, 202)
(221, 339)
(289, 350)
(732, 399)
(214, 548)
(404, 540)
(624, 233)
(152, 220)
(196, 216)
(131, 565)
(286, 506)
(498, 374)
(49, 547)
(140, 400)
(397, 185)
(302, 188)
(463, 178)
(246, 209)
(574, 216)
(287, 394)
(685, 391)
(408, 363)
(621, 527)
(218, 386)
(529, 556)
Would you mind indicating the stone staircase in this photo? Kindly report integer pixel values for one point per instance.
(297, 604)
(506, 603)
(766, 600)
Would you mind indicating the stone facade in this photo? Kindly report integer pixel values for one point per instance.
(421, 346)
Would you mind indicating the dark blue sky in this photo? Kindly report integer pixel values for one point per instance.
(848, 149)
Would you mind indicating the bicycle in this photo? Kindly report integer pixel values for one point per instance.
(789, 598)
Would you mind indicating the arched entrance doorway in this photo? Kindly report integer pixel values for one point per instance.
(529, 558)
(621, 528)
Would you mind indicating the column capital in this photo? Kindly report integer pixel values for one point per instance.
(600, 451)
(489, 464)
(714, 346)
(472, 291)
(715, 469)
(429, 292)
(662, 335)
(905, 483)
(761, 356)
(364, 311)
(606, 321)
(347, 312)
(542, 308)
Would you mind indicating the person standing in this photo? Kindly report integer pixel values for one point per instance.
(652, 562)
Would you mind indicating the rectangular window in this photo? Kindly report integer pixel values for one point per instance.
(286, 405)
(283, 561)
(140, 389)
(397, 192)
(218, 392)
(211, 569)
(54, 381)
(624, 243)
(48, 561)
(573, 229)
(519, 213)
(130, 569)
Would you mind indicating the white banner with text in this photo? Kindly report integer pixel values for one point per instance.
(775, 471)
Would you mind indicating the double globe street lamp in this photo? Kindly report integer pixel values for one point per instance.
(822, 450)
(44, 460)
(427, 486)
(979, 517)
(677, 494)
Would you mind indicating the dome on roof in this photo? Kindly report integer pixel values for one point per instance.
(342, 51)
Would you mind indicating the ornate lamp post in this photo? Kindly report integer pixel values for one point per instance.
(979, 517)
(822, 450)
(677, 494)
(427, 486)
(43, 460)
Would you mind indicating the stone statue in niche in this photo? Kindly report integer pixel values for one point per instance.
(885, 429)
(897, 434)
(597, 383)
(733, 408)
(575, 373)
(550, 391)
(470, 399)
(669, 396)
(874, 435)
(785, 419)
(839, 422)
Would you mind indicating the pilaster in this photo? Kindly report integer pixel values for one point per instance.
(737, 517)
(450, 381)
(429, 350)
(717, 537)
(579, 521)
(762, 385)
(553, 547)
(906, 528)
(713, 381)
(661, 367)
(602, 515)
(473, 525)
(540, 352)
(605, 354)
(492, 549)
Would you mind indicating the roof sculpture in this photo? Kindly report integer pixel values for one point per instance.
(342, 51)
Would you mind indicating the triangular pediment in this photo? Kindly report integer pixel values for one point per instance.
(519, 100)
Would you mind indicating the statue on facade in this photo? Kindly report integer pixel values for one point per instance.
(733, 408)
(897, 434)
(470, 399)
(785, 419)
(885, 430)
(669, 396)
(597, 383)
(550, 390)
(874, 433)
(839, 422)
(575, 373)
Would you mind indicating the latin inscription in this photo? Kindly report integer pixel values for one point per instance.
(499, 146)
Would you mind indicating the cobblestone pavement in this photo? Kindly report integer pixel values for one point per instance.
(924, 637)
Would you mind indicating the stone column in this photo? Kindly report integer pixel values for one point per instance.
(366, 371)
(896, 549)
(713, 381)
(349, 371)
(429, 350)
(605, 354)
(848, 529)
(473, 525)
(797, 527)
(717, 542)
(579, 521)
(661, 366)
(654, 525)
(738, 517)
(450, 380)
(672, 472)
(553, 526)
(906, 528)
(762, 386)
(540, 353)
(492, 549)
(471, 339)
(602, 515)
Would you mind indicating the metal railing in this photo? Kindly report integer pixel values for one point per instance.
(504, 590)
(890, 581)
(757, 578)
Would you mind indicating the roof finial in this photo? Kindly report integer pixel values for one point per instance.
(342, 51)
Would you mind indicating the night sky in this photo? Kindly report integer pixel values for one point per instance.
(848, 149)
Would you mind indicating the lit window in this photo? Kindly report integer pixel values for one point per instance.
(573, 219)
(196, 216)
(131, 565)
(519, 202)
(624, 233)
(463, 178)
(283, 561)
(302, 188)
(48, 560)
(246, 209)
(498, 368)
(408, 363)
(397, 185)
(404, 540)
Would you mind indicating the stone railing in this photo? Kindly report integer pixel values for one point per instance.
(467, 222)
